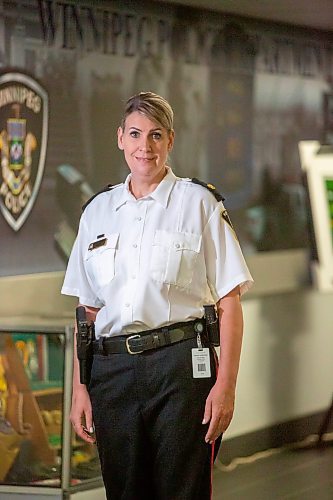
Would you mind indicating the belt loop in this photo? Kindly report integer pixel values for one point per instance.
(101, 346)
(166, 333)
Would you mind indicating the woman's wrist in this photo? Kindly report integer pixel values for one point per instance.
(226, 384)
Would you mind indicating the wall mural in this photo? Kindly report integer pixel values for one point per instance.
(244, 94)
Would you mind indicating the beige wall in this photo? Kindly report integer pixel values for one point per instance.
(35, 297)
(286, 369)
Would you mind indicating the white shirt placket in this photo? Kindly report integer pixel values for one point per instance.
(135, 233)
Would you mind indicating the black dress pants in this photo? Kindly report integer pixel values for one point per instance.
(147, 412)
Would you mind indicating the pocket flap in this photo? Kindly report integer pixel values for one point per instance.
(179, 241)
(112, 240)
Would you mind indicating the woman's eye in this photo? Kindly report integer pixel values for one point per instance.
(157, 135)
(134, 134)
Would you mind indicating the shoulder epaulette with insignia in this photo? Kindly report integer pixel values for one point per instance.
(210, 187)
(104, 190)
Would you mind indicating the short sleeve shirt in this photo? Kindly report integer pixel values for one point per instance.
(153, 261)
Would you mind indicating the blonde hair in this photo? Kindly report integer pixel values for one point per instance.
(155, 107)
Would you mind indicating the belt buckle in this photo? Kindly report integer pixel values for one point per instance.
(137, 336)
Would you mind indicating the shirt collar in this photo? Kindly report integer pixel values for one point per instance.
(161, 194)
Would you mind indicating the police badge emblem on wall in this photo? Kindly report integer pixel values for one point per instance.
(23, 139)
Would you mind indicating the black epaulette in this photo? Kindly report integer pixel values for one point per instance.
(104, 190)
(210, 187)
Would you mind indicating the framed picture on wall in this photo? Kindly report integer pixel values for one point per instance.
(317, 163)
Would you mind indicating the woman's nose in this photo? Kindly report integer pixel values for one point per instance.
(145, 144)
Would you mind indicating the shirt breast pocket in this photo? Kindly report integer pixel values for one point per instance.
(100, 261)
(174, 257)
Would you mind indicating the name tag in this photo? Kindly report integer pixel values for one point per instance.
(201, 363)
(97, 244)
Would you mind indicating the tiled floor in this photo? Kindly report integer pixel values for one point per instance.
(288, 474)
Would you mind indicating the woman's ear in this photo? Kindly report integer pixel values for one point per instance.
(120, 138)
(171, 139)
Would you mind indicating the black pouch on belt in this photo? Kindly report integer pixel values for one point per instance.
(212, 325)
(84, 344)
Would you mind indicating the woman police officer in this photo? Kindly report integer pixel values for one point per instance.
(149, 254)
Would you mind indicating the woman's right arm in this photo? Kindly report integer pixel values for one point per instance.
(81, 411)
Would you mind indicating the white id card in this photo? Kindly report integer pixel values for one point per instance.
(201, 363)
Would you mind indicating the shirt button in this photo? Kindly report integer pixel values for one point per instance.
(139, 218)
(127, 304)
(133, 277)
(177, 245)
(135, 245)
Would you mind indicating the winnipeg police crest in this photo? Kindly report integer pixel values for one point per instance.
(23, 139)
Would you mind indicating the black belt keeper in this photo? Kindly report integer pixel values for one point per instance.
(137, 343)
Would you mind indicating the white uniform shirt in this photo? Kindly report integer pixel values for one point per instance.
(164, 256)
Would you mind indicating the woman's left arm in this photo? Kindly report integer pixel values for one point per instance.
(220, 402)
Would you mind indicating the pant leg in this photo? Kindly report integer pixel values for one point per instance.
(173, 413)
(120, 434)
(147, 411)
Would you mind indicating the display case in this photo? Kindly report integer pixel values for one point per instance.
(41, 457)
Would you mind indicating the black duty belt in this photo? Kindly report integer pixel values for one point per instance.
(149, 339)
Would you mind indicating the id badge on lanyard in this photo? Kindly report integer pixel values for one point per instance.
(201, 360)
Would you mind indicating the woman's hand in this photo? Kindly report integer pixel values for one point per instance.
(219, 410)
(81, 411)
(220, 402)
(81, 414)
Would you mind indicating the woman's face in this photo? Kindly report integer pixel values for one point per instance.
(145, 144)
